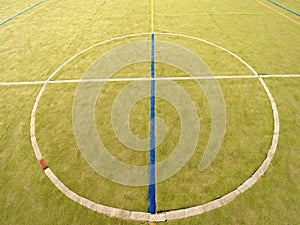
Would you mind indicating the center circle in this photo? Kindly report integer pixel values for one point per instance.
(87, 138)
(177, 214)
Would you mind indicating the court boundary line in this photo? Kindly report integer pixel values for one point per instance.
(277, 12)
(111, 80)
(22, 12)
(284, 8)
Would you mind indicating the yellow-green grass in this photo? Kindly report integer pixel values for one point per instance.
(33, 47)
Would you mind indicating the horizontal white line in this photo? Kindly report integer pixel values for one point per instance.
(149, 79)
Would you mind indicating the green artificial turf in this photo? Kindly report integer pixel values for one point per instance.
(35, 44)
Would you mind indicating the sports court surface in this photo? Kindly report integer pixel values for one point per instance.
(150, 69)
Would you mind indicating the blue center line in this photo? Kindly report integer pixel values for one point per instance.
(286, 9)
(151, 188)
(23, 12)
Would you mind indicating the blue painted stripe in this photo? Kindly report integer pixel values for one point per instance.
(286, 9)
(21, 13)
(151, 189)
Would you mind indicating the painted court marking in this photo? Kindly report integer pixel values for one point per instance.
(152, 16)
(141, 216)
(152, 183)
(284, 8)
(23, 12)
(150, 79)
(287, 17)
(164, 216)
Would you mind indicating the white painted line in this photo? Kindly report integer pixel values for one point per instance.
(280, 76)
(152, 16)
(150, 79)
(21, 83)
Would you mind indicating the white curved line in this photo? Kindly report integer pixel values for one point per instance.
(173, 215)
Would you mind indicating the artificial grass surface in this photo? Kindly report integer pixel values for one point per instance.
(33, 47)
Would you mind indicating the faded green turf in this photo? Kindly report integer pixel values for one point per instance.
(34, 45)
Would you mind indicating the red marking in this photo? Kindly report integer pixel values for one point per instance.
(43, 164)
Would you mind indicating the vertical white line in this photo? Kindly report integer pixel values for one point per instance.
(152, 16)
